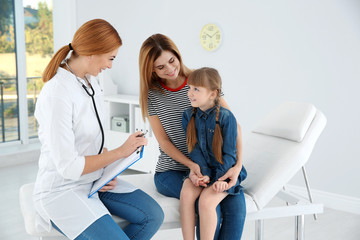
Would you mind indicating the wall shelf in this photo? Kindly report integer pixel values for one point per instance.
(128, 105)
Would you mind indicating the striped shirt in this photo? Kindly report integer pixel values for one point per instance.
(169, 107)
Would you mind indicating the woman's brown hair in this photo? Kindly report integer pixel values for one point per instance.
(210, 79)
(150, 50)
(94, 37)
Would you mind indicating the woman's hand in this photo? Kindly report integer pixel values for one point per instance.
(232, 174)
(194, 178)
(204, 181)
(132, 143)
(110, 186)
(199, 181)
(220, 186)
(195, 172)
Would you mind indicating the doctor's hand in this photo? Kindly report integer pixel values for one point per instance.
(132, 143)
(110, 186)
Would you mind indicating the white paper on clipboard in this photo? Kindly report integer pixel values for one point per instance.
(113, 170)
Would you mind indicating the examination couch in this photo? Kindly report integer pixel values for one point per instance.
(273, 152)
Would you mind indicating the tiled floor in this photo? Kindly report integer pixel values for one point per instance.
(331, 225)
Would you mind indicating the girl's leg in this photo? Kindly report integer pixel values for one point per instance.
(144, 213)
(219, 220)
(169, 183)
(189, 194)
(105, 228)
(208, 201)
(234, 212)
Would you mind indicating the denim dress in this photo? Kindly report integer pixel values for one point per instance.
(203, 154)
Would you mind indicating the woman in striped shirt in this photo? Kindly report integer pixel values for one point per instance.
(163, 99)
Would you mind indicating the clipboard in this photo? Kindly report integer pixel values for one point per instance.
(113, 170)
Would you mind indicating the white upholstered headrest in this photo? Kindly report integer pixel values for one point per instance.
(290, 120)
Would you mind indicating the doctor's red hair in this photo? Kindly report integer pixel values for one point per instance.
(94, 37)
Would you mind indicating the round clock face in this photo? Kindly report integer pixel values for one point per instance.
(210, 37)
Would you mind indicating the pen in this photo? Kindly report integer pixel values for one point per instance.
(141, 135)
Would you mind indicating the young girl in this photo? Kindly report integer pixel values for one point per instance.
(211, 139)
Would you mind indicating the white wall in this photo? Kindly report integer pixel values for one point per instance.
(65, 23)
(272, 52)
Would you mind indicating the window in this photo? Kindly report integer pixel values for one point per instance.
(39, 50)
(8, 86)
(25, 33)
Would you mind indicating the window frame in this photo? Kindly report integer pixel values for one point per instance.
(21, 79)
(21, 71)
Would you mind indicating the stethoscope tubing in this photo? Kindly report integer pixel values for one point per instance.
(93, 101)
(97, 116)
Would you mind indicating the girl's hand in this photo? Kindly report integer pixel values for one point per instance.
(110, 186)
(132, 143)
(232, 174)
(220, 186)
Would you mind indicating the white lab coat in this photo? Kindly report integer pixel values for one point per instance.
(68, 131)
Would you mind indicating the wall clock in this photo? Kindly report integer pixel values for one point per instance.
(210, 37)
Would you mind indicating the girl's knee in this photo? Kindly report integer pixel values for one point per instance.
(185, 194)
(188, 194)
(206, 204)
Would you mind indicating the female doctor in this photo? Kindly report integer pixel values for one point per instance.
(70, 115)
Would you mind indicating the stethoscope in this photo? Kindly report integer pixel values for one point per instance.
(93, 101)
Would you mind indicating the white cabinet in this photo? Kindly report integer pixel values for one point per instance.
(127, 106)
(120, 105)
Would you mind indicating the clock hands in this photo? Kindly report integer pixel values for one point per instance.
(211, 35)
(214, 34)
